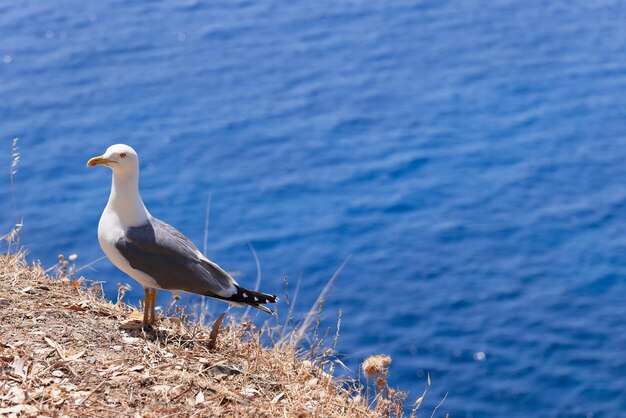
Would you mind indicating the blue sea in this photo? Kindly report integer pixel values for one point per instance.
(470, 157)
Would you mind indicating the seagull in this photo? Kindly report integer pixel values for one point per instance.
(153, 252)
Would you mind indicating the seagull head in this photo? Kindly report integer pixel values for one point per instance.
(120, 158)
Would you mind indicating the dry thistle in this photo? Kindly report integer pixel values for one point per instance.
(376, 365)
(72, 258)
(121, 291)
(171, 309)
(389, 402)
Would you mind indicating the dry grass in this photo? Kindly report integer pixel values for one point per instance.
(64, 351)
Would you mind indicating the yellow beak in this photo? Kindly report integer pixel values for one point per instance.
(99, 160)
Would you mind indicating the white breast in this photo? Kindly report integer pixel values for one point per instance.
(110, 230)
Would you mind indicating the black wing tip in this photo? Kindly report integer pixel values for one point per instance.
(252, 297)
(262, 308)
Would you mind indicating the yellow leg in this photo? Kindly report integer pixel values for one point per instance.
(153, 305)
(146, 306)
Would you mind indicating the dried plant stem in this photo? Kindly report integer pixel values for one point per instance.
(438, 405)
(206, 224)
(289, 323)
(258, 275)
(15, 159)
(336, 339)
(311, 314)
(88, 265)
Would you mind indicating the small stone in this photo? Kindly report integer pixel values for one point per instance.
(131, 340)
(117, 348)
(278, 397)
(161, 389)
(224, 369)
(58, 373)
(249, 392)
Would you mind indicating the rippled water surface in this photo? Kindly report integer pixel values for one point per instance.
(469, 155)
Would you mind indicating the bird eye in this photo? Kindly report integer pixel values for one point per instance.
(123, 155)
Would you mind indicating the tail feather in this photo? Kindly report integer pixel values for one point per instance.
(250, 297)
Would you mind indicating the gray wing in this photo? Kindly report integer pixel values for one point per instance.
(172, 260)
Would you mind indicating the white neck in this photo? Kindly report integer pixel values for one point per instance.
(126, 201)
